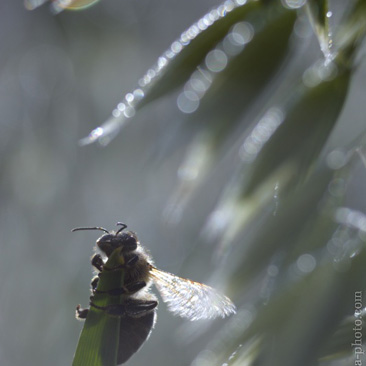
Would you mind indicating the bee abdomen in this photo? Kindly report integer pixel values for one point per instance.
(133, 333)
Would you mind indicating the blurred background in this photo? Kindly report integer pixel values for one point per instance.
(60, 77)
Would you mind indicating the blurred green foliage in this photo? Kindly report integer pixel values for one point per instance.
(287, 247)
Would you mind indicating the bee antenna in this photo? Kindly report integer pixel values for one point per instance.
(90, 228)
(123, 226)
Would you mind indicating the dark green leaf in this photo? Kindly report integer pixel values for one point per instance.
(98, 342)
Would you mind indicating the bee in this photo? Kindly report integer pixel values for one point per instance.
(137, 305)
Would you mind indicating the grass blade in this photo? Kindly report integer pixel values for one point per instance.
(98, 342)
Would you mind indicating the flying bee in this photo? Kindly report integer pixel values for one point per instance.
(137, 306)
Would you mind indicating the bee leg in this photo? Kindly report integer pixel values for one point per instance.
(135, 308)
(128, 289)
(81, 313)
(115, 309)
(94, 283)
(97, 262)
(135, 286)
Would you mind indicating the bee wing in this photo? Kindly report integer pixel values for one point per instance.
(189, 299)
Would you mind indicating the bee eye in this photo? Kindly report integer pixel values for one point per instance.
(105, 244)
(128, 241)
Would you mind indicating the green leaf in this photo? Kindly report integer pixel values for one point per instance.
(178, 63)
(309, 116)
(319, 15)
(303, 312)
(98, 342)
(298, 212)
(283, 147)
(339, 344)
(230, 93)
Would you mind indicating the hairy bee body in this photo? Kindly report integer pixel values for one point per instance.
(135, 305)
(139, 271)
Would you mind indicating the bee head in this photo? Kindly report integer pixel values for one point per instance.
(127, 241)
(108, 242)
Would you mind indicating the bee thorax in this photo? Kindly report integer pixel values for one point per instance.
(140, 270)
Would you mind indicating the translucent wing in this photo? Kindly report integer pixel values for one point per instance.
(189, 299)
